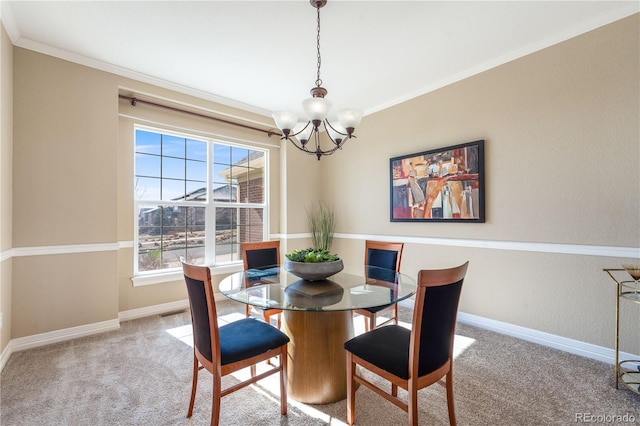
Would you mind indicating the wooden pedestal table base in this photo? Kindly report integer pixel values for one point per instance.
(317, 361)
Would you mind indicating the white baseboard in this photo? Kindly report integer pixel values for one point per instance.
(42, 339)
(587, 350)
(153, 310)
(4, 356)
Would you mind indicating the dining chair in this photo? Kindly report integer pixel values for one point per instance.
(232, 347)
(412, 358)
(262, 255)
(388, 256)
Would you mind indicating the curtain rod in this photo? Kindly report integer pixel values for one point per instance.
(134, 101)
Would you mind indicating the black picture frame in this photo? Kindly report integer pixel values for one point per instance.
(439, 185)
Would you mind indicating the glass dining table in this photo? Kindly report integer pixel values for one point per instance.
(317, 318)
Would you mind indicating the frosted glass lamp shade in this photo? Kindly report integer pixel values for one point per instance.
(303, 135)
(316, 108)
(350, 118)
(284, 120)
(339, 133)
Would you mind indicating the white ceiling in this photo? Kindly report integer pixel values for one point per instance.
(261, 55)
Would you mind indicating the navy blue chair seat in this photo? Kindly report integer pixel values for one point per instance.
(247, 338)
(386, 347)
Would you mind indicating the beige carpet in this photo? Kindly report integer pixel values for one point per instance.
(141, 375)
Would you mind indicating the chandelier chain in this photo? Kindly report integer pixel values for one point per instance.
(318, 80)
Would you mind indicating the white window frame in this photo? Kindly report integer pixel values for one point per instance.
(141, 278)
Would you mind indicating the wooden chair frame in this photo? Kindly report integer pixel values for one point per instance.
(202, 273)
(371, 318)
(426, 278)
(261, 245)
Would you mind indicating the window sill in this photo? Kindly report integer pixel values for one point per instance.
(176, 275)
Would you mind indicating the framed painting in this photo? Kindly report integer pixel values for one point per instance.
(440, 185)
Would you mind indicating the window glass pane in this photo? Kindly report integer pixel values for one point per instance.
(173, 146)
(196, 150)
(173, 189)
(239, 172)
(148, 165)
(221, 154)
(255, 217)
(255, 188)
(256, 159)
(173, 168)
(167, 232)
(250, 225)
(239, 155)
(196, 170)
(221, 173)
(147, 188)
(147, 142)
(223, 192)
(196, 191)
(149, 238)
(243, 192)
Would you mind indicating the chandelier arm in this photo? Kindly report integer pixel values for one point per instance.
(318, 152)
(327, 124)
(301, 130)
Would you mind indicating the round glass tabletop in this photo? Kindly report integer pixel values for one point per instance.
(355, 287)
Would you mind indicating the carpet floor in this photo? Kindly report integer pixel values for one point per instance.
(141, 375)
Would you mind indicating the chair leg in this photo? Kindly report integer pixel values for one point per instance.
(351, 390)
(247, 310)
(450, 406)
(215, 404)
(369, 322)
(267, 319)
(194, 386)
(395, 314)
(279, 321)
(283, 380)
(413, 403)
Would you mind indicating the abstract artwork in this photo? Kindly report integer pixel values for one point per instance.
(440, 185)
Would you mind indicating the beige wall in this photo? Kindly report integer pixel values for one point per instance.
(6, 179)
(73, 189)
(561, 131)
(561, 154)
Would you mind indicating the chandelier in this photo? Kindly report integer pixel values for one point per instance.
(317, 109)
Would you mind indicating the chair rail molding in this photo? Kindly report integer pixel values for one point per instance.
(579, 249)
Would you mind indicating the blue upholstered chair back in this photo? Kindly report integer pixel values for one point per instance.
(382, 258)
(200, 316)
(438, 323)
(262, 258)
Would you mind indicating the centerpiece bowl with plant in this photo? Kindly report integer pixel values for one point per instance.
(316, 263)
(313, 264)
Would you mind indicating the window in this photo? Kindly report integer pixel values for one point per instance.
(195, 198)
